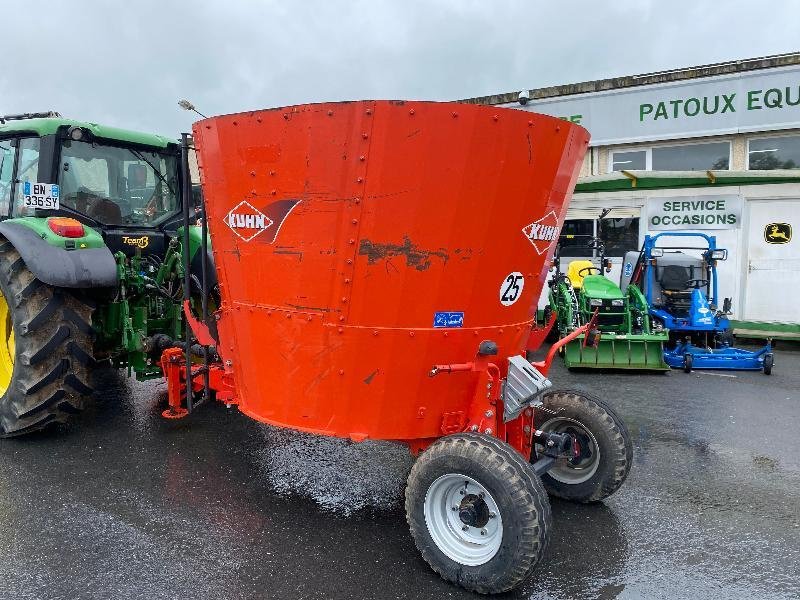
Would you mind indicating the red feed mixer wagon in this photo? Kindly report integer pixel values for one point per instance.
(379, 265)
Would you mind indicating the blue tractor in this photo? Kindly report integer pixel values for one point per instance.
(680, 284)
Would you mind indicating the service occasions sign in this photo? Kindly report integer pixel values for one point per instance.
(694, 212)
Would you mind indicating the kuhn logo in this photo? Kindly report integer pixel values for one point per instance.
(542, 232)
(247, 221)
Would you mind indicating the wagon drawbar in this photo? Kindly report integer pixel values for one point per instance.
(379, 265)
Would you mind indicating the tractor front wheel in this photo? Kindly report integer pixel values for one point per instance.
(477, 512)
(45, 349)
(604, 451)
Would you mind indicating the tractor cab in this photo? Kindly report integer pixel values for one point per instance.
(97, 213)
(125, 184)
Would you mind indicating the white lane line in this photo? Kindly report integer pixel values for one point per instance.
(717, 374)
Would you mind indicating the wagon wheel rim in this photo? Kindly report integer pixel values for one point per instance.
(579, 469)
(7, 346)
(463, 519)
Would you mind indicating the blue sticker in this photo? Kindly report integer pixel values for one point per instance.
(54, 191)
(448, 319)
(26, 188)
(628, 269)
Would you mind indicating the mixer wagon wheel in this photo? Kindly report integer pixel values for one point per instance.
(45, 349)
(477, 512)
(603, 448)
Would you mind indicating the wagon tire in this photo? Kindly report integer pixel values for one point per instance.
(769, 361)
(487, 543)
(604, 446)
(45, 349)
(687, 363)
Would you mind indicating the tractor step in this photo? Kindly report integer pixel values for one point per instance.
(637, 351)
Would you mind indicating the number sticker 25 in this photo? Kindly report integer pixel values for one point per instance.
(511, 288)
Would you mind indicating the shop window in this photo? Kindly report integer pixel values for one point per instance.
(629, 161)
(582, 230)
(774, 153)
(714, 156)
(619, 235)
(692, 157)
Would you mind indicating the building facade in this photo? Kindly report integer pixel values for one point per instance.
(714, 149)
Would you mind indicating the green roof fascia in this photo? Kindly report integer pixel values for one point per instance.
(49, 126)
(661, 180)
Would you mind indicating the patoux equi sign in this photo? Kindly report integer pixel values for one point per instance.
(762, 100)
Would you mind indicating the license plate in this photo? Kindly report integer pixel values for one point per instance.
(40, 195)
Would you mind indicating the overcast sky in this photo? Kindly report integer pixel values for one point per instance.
(126, 63)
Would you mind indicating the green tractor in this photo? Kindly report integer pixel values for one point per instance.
(624, 338)
(92, 261)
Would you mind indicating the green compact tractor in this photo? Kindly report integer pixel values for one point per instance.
(624, 338)
(92, 267)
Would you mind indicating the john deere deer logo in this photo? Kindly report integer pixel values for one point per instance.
(778, 233)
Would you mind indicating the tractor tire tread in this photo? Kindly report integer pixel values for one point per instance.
(58, 371)
(45, 314)
(54, 349)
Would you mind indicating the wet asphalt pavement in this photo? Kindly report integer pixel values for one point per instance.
(125, 505)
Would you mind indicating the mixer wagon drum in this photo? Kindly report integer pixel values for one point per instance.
(379, 265)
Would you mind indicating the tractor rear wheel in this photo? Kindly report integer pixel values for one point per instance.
(477, 512)
(45, 349)
(605, 451)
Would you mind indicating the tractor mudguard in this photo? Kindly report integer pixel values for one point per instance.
(86, 268)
